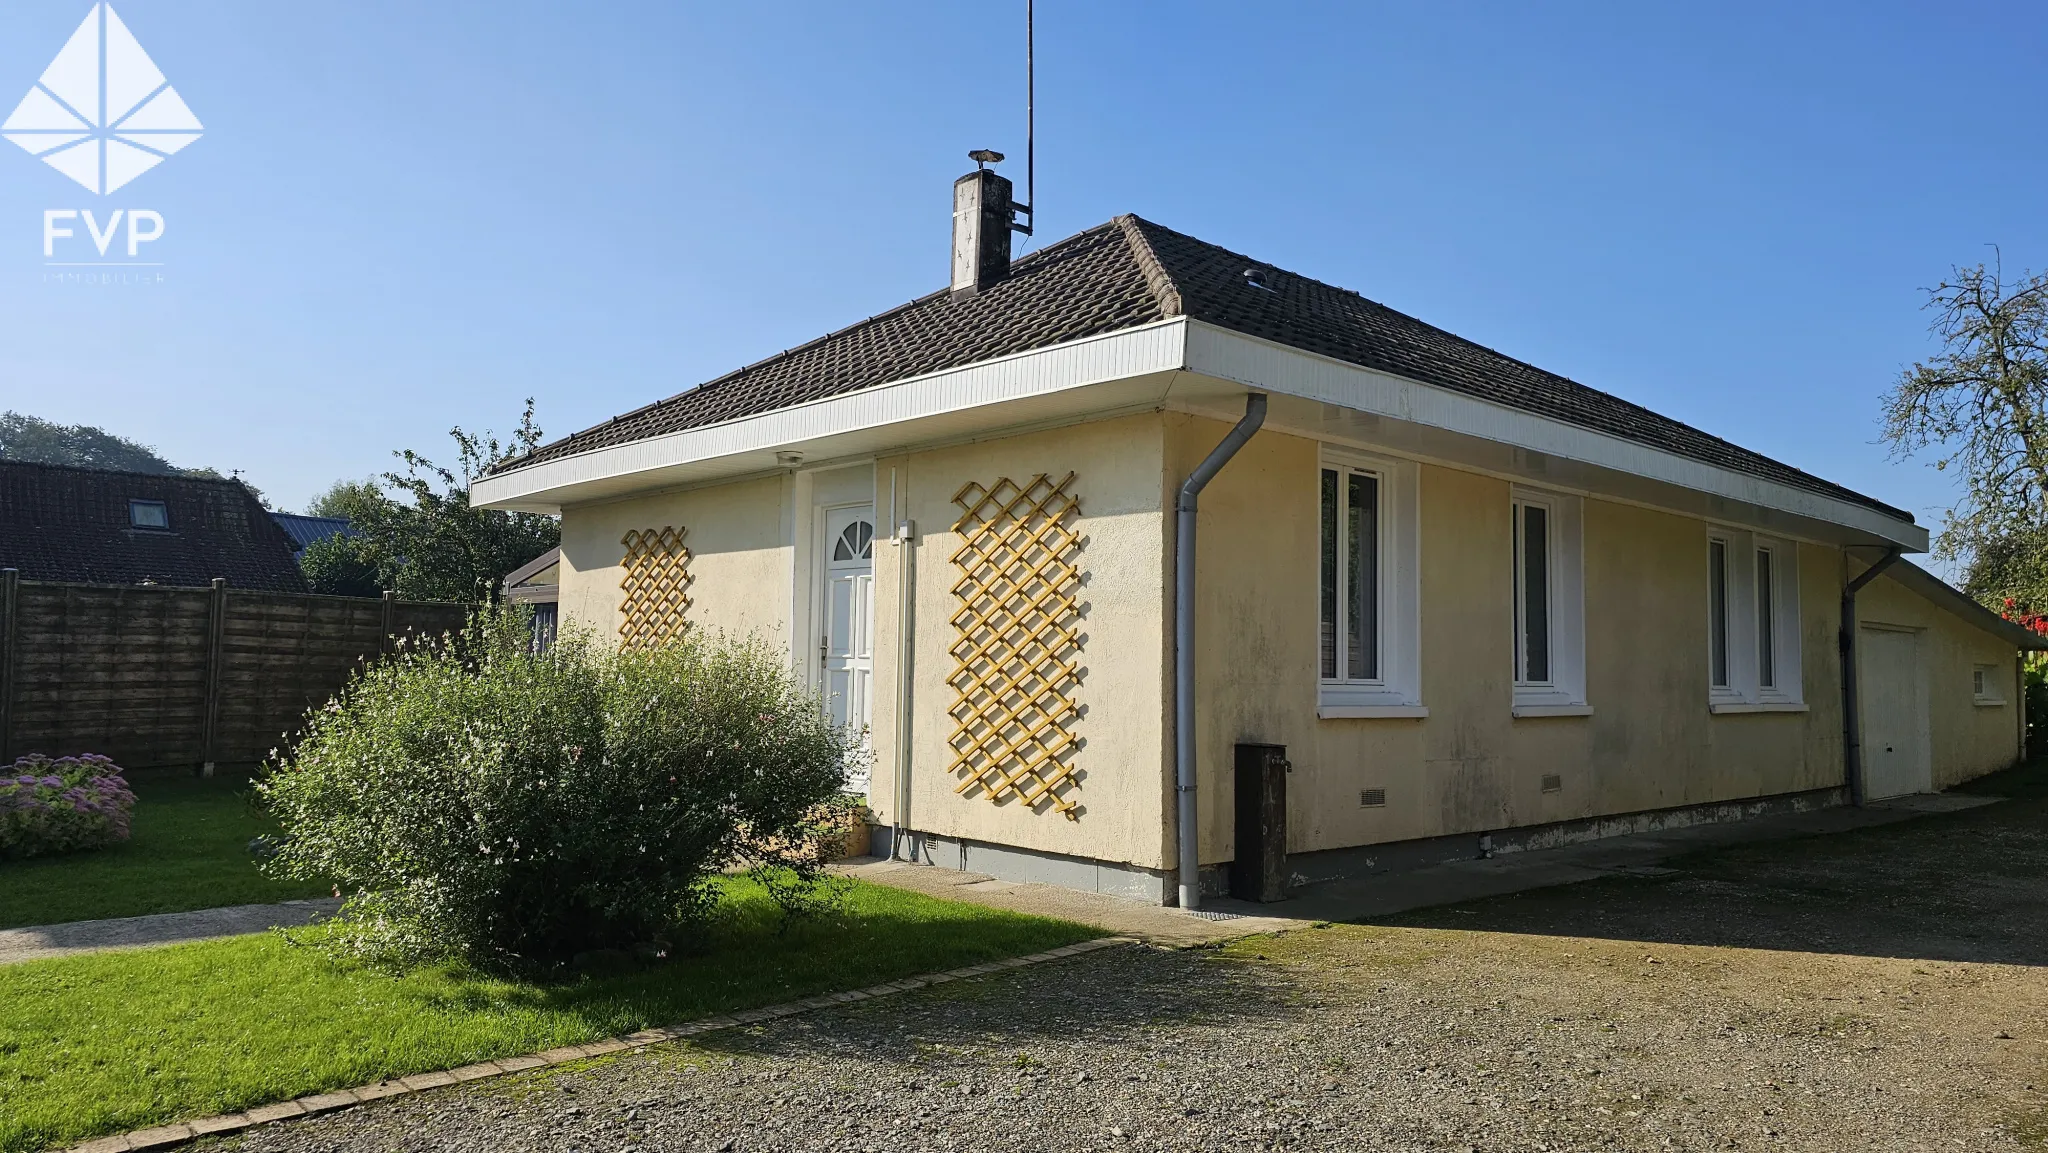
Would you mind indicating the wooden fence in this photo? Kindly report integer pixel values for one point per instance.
(158, 677)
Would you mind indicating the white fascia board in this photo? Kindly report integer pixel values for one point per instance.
(1068, 380)
(747, 444)
(1266, 366)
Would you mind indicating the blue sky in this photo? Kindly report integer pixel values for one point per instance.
(405, 216)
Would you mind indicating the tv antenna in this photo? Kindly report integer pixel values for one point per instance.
(1030, 130)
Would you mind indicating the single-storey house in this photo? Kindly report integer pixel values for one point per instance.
(1154, 569)
(100, 526)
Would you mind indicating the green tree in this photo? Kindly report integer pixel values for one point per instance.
(429, 543)
(1980, 408)
(33, 439)
(342, 566)
(451, 550)
(352, 500)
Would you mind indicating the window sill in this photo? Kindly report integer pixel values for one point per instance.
(1552, 710)
(1369, 712)
(1718, 707)
(1987, 703)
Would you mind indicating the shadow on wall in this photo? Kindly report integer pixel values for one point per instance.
(1968, 886)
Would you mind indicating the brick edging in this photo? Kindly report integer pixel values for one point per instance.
(165, 1136)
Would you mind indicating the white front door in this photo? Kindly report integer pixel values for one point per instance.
(1897, 752)
(846, 647)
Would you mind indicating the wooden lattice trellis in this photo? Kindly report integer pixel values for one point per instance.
(656, 585)
(1017, 646)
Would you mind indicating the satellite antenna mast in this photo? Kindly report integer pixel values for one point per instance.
(1030, 129)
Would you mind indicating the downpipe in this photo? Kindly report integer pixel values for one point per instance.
(1852, 729)
(906, 651)
(1184, 643)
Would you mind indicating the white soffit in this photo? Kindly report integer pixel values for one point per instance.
(1355, 403)
(1315, 396)
(1096, 374)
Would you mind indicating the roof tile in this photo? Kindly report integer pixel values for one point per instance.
(59, 523)
(1130, 272)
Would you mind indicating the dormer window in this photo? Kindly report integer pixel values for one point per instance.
(149, 514)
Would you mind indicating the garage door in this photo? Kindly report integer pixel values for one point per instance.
(1897, 751)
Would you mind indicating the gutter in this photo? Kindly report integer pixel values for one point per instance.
(1852, 736)
(1184, 642)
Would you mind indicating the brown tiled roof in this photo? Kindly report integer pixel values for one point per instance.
(1130, 272)
(72, 524)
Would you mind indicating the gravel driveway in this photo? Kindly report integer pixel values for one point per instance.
(1881, 990)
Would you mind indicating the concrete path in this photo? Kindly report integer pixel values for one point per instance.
(1385, 894)
(39, 941)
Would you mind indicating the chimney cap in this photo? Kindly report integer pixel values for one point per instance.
(985, 156)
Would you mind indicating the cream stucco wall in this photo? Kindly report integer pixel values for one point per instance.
(1969, 739)
(740, 558)
(749, 540)
(1470, 765)
(1118, 477)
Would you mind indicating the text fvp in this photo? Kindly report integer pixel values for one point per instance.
(143, 227)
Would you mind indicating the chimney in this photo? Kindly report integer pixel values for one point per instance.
(981, 226)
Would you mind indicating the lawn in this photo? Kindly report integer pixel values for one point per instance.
(108, 1042)
(189, 851)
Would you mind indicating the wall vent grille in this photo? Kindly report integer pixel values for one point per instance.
(1553, 783)
(1372, 798)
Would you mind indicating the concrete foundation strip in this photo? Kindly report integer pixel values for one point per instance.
(165, 1136)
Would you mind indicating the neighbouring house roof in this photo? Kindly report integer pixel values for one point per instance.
(1961, 604)
(78, 524)
(304, 530)
(537, 580)
(1130, 272)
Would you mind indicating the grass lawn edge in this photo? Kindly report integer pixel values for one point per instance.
(157, 1118)
(165, 1136)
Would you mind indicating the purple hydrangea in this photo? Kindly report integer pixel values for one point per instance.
(63, 804)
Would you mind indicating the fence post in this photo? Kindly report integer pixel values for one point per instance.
(216, 634)
(10, 628)
(390, 622)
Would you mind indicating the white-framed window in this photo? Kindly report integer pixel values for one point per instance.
(1720, 657)
(1986, 685)
(1367, 597)
(1753, 661)
(1550, 604)
(1766, 617)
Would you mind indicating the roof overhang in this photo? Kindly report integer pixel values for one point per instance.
(532, 568)
(1197, 367)
(1958, 603)
(1131, 368)
(1336, 400)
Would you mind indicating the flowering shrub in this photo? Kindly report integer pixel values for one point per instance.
(481, 801)
(62, 805)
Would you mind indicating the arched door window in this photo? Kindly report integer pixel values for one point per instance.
(856, 542)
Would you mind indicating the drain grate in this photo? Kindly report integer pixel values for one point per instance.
(1213, 915)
